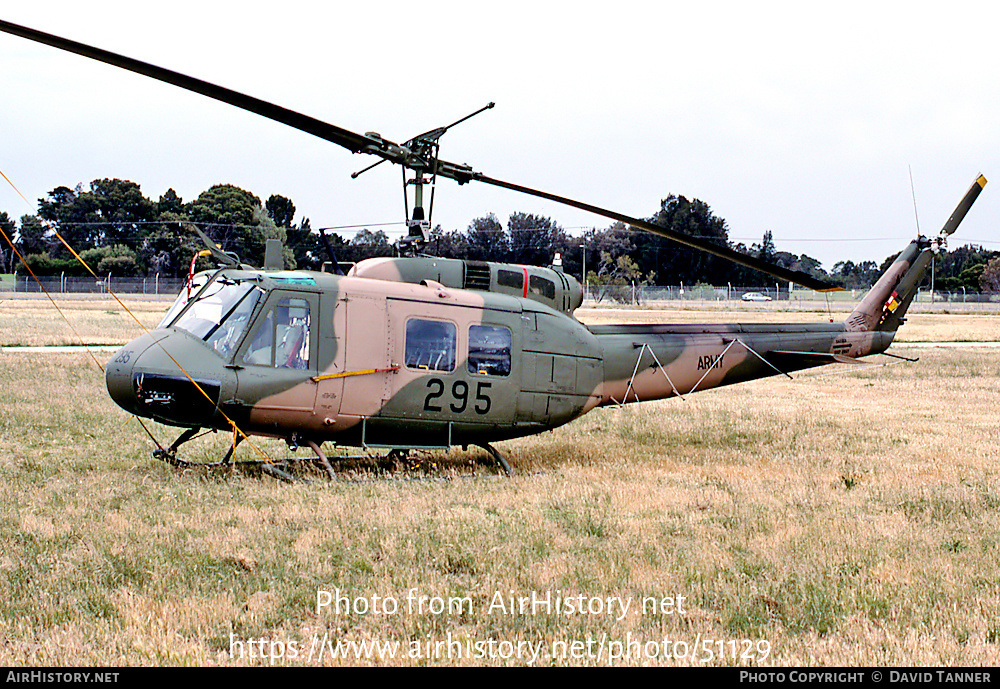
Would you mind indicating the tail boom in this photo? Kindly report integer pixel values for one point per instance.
(647, 362)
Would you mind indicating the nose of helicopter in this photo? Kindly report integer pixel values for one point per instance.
(168, 376)
(118, 372)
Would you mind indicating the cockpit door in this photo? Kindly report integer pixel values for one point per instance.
(277, 360)
(332, 346)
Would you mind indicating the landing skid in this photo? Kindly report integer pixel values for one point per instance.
(395, 461)
(499, 459)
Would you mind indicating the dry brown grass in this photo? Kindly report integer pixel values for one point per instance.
(84, 319)
(847, 519)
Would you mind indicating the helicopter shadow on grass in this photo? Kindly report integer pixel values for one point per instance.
(392, 465)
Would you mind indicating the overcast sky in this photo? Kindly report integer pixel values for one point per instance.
(790, 117)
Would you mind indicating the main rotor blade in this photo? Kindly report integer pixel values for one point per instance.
(796, 276)
(958, 215)
(342, 137)
(387, 150)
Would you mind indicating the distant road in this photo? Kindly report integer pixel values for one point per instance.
(60, 349)
(956, 345)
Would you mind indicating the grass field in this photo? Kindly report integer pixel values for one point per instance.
(845, 519)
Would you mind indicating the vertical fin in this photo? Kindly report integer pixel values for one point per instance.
(886, 303)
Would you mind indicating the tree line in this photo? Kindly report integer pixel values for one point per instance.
(117, 230)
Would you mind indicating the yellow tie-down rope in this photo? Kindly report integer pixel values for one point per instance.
(236, 429)
(347, 374)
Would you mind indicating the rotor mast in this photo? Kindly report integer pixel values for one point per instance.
(419, 154)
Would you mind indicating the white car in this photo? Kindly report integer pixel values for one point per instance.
(756, 296)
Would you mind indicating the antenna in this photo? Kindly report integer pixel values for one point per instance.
(936, 244)
(913, 193)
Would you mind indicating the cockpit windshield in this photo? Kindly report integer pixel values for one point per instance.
(220, 313)
(189, 291)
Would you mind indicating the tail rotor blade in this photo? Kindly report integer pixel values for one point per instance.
(958, 215)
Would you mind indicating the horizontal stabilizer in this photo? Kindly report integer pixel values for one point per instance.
(805, 359)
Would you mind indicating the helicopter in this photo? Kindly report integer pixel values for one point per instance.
(423, 352)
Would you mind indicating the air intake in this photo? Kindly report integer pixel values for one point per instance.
(477, 275)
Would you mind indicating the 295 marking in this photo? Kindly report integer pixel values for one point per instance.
(460, 396)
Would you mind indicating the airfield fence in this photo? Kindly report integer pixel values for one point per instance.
(652, 294)
(152, 286)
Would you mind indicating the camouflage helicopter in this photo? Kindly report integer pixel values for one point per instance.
(420, 352)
